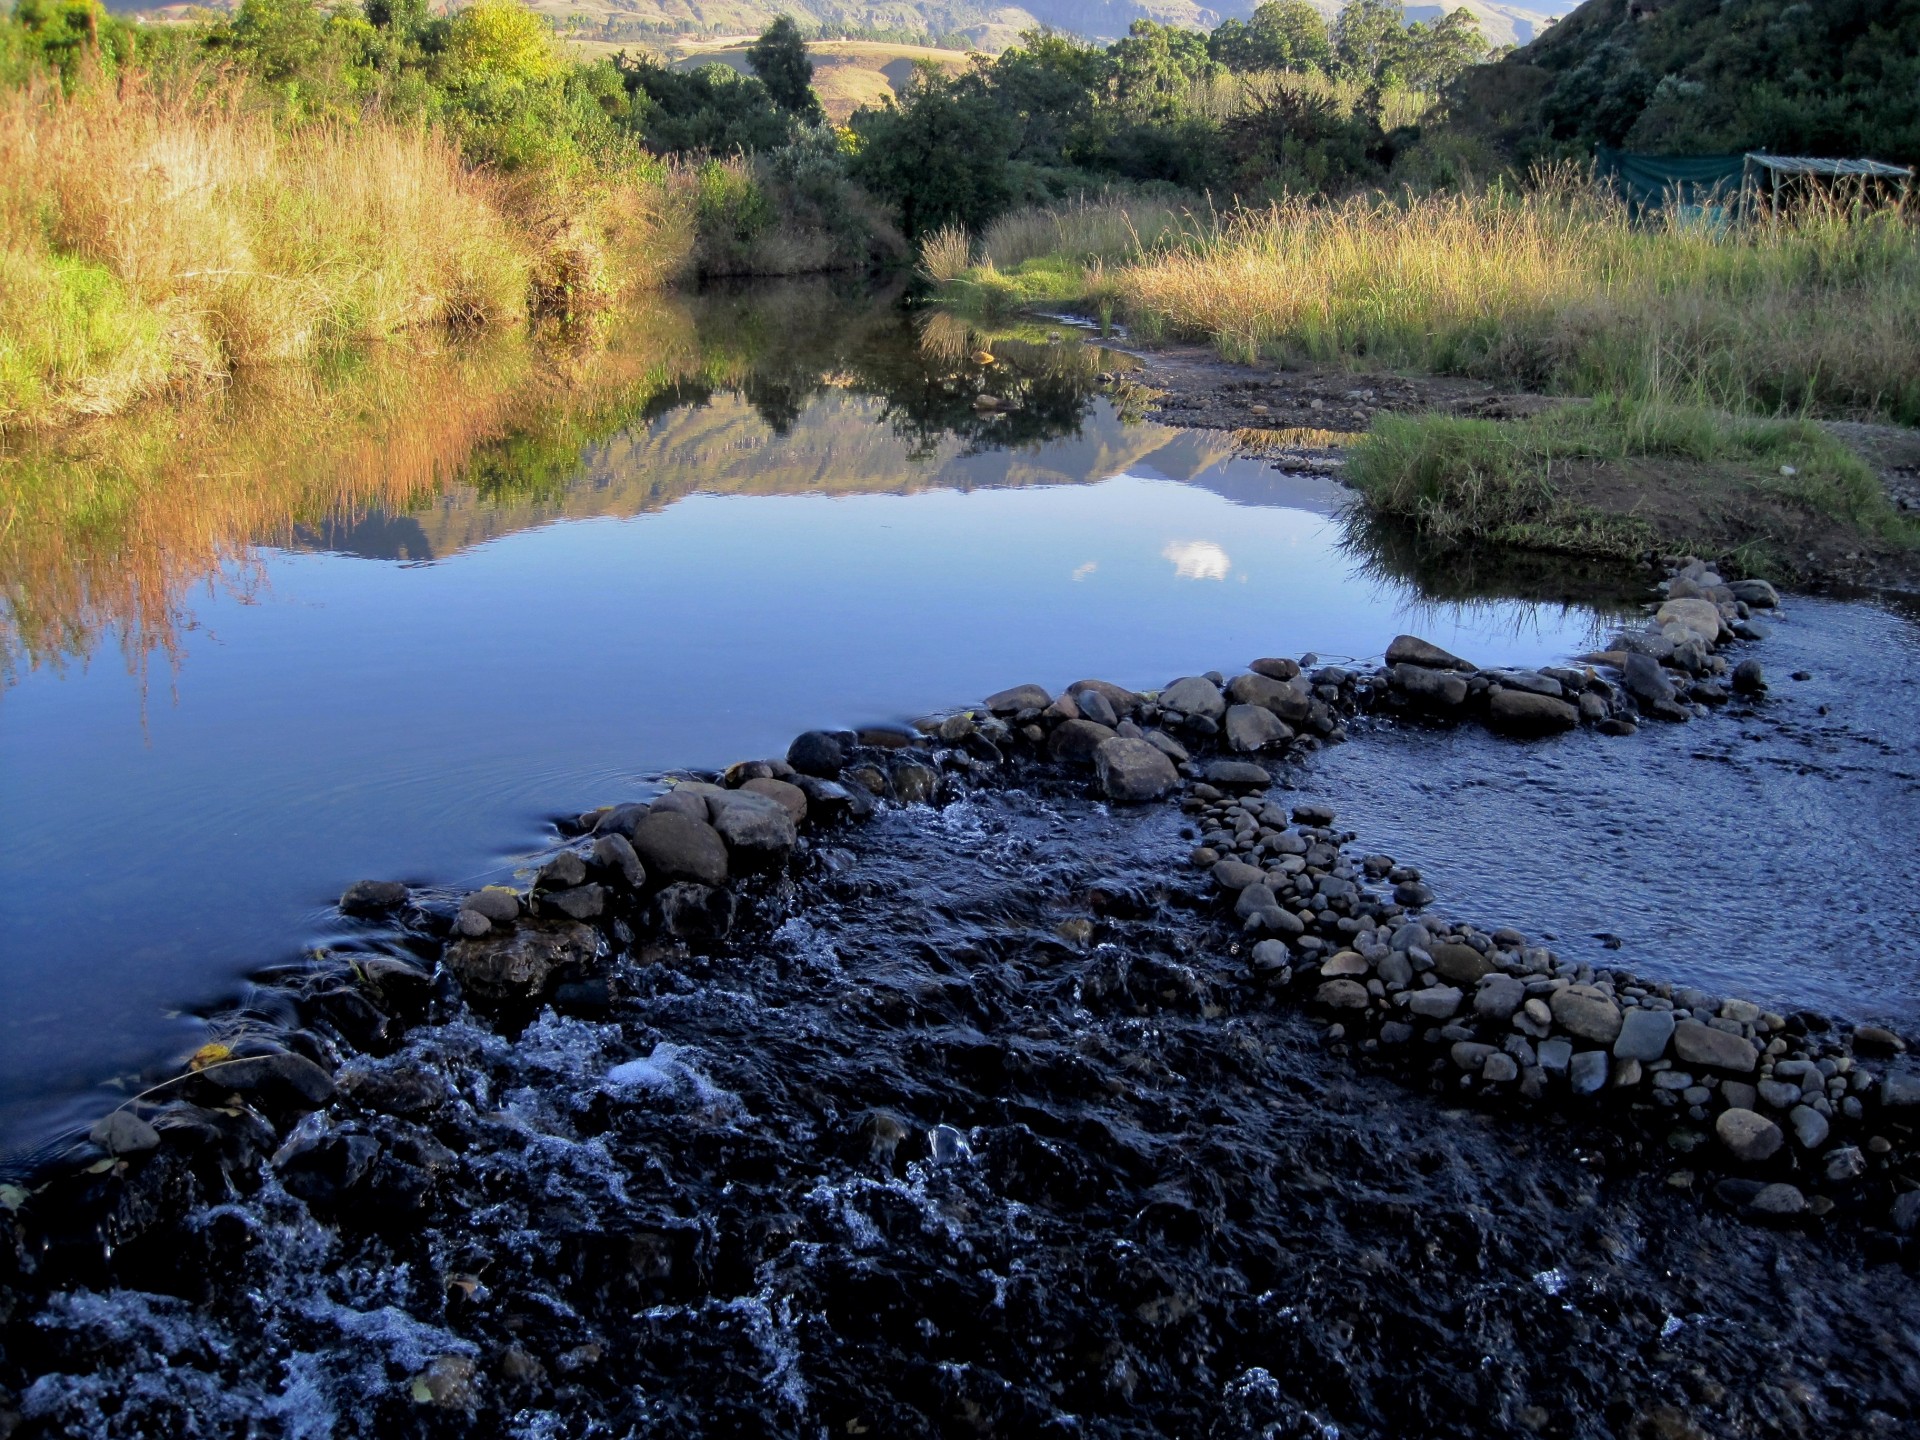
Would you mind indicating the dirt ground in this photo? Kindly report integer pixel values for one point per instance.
(1305, 419)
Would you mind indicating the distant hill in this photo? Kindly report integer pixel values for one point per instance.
(955, 23)
(1833, 78)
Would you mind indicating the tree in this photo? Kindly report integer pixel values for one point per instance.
(1051, 84)
(1282, 35)
(779, 58)
(1437, 53)
(1370, 41)
(1156, 65)
(940, 153)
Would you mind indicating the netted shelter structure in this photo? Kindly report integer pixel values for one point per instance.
(1724, 188)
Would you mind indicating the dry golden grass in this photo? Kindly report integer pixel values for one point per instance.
(946, 253)
(165, 236)
(1555, 288)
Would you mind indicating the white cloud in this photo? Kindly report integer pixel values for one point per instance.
(1081, 572)
(1197, 559)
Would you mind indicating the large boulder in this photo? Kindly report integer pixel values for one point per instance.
(1748, 1135)
(517, 966)
(1648, 684)
(1123, 700)
(757, 829)
(790, 798)
(1287, 701)
(1434, 689)
(1520, 712)
(1588, 1016)
(1254, 727)
(1019, 697)
(817, 753)
(1757, 593)
(675, 846)
(1077, 741)
(1194, 695)
(1132, 771)
(1698, 1044)
(1412, 650)
(1700, 618)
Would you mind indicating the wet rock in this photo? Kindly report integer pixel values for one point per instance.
(621, 819)
(674, 846)
(1254, 727)
(322, 1169)
(121, 1132)
(1270, 957)
(1900, 1091)
(1644, 1035)
(1133, 771)
(1844, 1164)
(1749, 1136)
(1123, 700)
(756, 829)
(1810, 1127)
(1700, 618)
(789, 797)
(1342, 994)
(1442, 1002)
(1877, 1040)
(1556, 1055)
(282, 1079)
(1433, 689)
(1411, 650)
(615, 852)
(1749, 678)
(1698, 1044)
(1589, 1017)
(696, 912)
(1521, 712)
(831, 800)
(394, 1089)
(1020, 697)
(1905, 1214)
(370, 899)
(816, 753)
(1498, 997)
(1096, 707)
(688, 799)
(563, 870)
(1647, 683)
(496, 903)
(1077, 741)
(1238, 775)
(471, 924)
(1499, 1069)
(1282, 699)
(1274, 668)
(1778, 1201)
(581, 903)
(1168, 746)
(1194, 696)
(1757, 593)
(518, 966)
(1461, 964)
(914, 781)
(1588, 1072)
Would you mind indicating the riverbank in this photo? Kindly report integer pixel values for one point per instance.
(1458, 460)
(790, 1086)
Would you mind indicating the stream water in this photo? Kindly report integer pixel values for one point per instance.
(794, 514)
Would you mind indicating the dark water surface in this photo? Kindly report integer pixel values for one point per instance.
(798, 517)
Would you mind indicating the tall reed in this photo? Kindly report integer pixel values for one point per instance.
(1555, 288)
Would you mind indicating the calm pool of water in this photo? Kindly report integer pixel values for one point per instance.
(814, 529)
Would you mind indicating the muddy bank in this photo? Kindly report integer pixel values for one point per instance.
(916, 1084)
(1305, 418)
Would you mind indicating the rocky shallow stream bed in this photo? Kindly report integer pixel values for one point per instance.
(1060, 1069)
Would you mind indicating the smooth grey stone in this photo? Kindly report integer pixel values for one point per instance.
(121, 1132)
(1077, 741)
(1644, 1034)
(1412, 650)
(1779, 1200)
(1020, 697)
(562, 872)
(583, 902)
(1498, 997)
(1500, 1069)
(1748, 1135)
(615, 852)
(817, 753)
(1698, 1044)
(675, 846)
(1096, 707)
(371, 898)
(1438, 689)
(1286, 701)
(1810, 1127)
(1556, 1055)
(1588, 1016)
(755, 828)
(1191, 695)
(1588, 1072)
(1252, 727)
(1520, 712)
(1442, 1002)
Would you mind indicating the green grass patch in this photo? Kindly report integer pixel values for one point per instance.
(1619, 478)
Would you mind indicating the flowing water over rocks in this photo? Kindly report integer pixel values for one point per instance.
(975, 1130)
